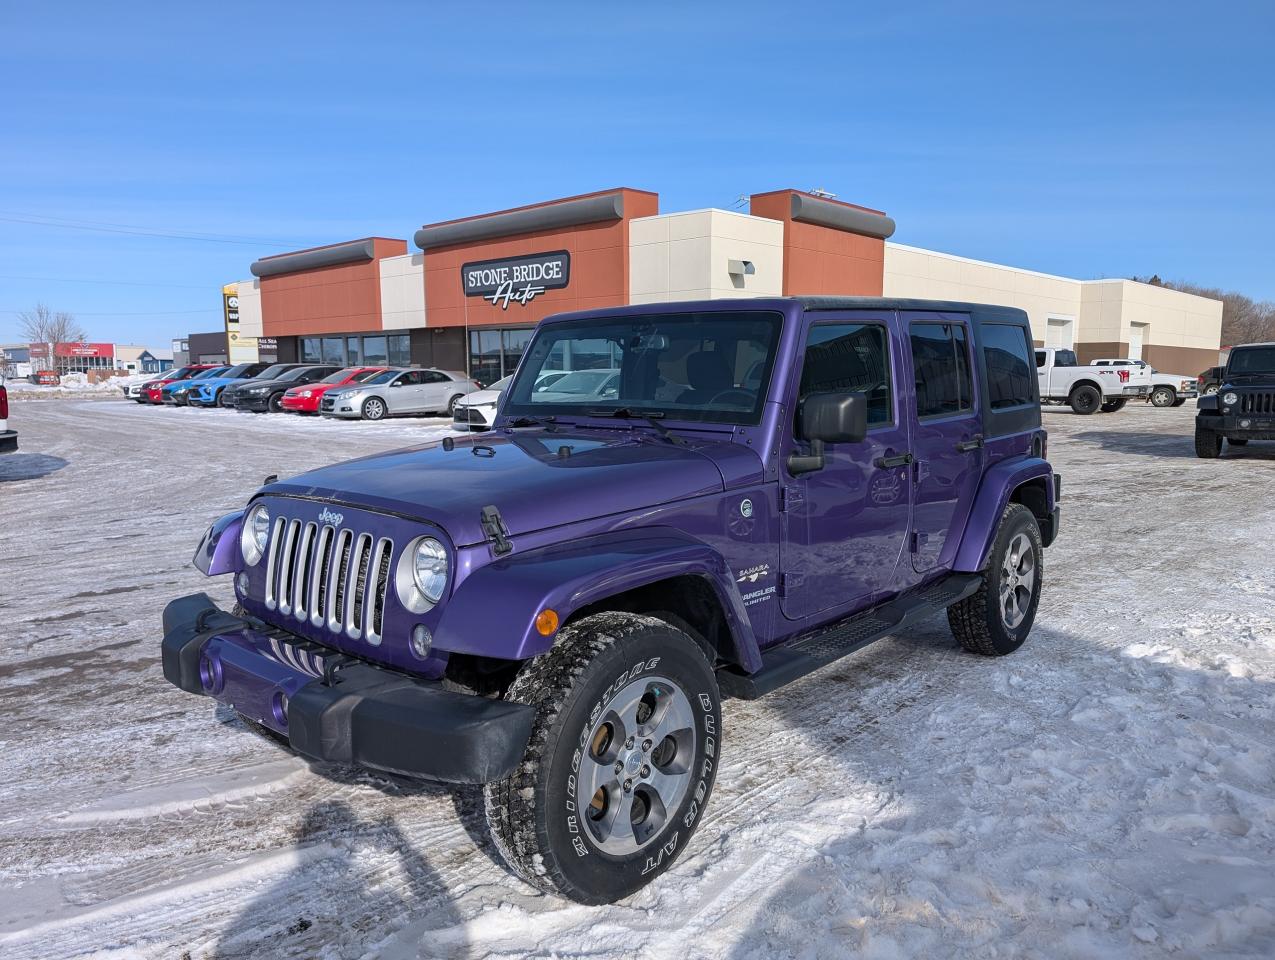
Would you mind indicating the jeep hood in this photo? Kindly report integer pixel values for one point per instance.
(537, 480)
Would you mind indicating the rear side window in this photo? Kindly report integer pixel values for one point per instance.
(940, 361)
(1009, 376)
(850, 358)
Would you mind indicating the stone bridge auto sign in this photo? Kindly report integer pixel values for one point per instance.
(516, 279)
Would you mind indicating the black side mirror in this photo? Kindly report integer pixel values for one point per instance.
(828, 418)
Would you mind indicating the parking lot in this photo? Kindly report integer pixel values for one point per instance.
(1109, 790)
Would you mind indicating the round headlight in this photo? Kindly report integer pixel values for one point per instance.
(254, 533)
(1230, 399)
(429, 569)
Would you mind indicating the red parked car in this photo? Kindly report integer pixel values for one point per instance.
(305, 397)
(151, 391)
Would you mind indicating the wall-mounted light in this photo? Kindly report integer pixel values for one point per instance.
(740, 268)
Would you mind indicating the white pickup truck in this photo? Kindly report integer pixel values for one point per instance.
(1167, 389)
(1090, 388)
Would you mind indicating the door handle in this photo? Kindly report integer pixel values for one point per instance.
(974, 443)
(902, 460)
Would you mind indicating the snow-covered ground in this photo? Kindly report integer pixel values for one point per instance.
(1108, 791)
(74, 385)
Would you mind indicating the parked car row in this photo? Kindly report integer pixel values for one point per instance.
(361, 392)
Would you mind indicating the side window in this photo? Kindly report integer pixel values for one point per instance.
(1041, 356)
(941, 366)
(850, 358)
(1005, 352)
(410, 379)
(433, 376)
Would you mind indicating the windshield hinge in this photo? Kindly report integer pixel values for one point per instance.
(494, 526)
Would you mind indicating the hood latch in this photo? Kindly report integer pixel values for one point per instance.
(494, 526)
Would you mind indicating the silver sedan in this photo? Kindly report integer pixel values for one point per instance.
(398, 392)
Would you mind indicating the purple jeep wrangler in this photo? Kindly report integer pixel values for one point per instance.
(555, 609)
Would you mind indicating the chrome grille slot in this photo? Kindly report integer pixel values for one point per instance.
(359, 558)
(287, 560)
(302, 572)
(337, 579)
(272, 565)
(380, 568)
(319, 574)
(1257, 403)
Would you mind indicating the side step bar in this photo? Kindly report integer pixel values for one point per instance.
(805, 654)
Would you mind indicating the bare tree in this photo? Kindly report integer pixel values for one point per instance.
(1244, 320)
(42, 325)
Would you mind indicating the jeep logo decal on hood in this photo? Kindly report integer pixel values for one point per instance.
(327, 516)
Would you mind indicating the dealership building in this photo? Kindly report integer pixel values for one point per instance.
(465, 294)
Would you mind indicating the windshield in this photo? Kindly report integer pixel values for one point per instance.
(238, 370)
(367, 375)
(208, 374)
(181, 373)
(385, 376)
(271, 372)
(711, 367)
(1252, 360)
(340, 376)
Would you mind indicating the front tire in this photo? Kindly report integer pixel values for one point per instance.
(1208, 444)
(997, 619)
(1163, 397)
(451, 404)
(621, 761)
(1211, 389)
(275, 404)
(1085, 400)
(373, 409)
(222, 397)
(1111, 406)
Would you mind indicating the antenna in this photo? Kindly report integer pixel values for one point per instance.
(740, 202)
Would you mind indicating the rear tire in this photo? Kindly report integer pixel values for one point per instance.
(997, 619)
(1085, 400)
(1163, 397)
(654, 773)
(1211, 389)
(373, 409)
(1208, 444)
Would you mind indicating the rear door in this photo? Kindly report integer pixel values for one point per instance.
(947, 442)
(436, 389)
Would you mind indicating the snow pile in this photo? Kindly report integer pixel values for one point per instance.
(74, 385)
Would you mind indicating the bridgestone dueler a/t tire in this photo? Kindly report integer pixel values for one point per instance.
(1085, 400)
(532, 812)
(976, 621)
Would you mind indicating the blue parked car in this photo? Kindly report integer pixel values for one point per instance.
(175, 393)
(556, 608)
(209, 392)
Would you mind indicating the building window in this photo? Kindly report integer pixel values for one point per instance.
(353, 353)
(400, 351)
(333, 350)
(374, 352)
(310, 350)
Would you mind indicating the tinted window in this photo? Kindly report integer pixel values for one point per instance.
(385, 376)
(410, 379)
(298, 373)
(849, 358)
(433, 376)
(1040, 358)
(339, 376)
(1009, 376)
(1065, 358)
(271, 372)
(940, 364)
(1252, 360)
(367, 376)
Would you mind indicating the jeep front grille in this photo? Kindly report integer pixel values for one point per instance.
(332, 577)
(1257, 403)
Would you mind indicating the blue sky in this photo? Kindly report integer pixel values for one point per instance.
(1081, 139)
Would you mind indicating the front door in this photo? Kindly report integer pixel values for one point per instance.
(946, 439)
(846, 524)
(406, 394)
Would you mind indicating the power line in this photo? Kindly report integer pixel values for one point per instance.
(126, 313)
(118, 283)
(57, 222)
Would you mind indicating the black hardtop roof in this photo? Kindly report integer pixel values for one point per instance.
(908, 303)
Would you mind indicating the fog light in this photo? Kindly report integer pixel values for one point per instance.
(422, 639)
(241, 583)
(546, 622)
(1245, 424)
(279, 707)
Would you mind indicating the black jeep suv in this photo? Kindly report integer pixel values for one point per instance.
(1243, 408)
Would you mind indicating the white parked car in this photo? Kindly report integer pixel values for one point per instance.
(399, 392)
(1167, 389)
(1087, 389)
(134, 390)
(477, 411)
(596, 384)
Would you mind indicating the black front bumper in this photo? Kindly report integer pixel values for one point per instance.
(341, 709)
(8, 441)
(255, 404)
(1261, 426)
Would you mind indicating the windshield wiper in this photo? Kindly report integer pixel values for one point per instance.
(525, 421)
(653, 417)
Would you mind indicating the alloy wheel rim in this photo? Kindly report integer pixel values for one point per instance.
(1162, 399)
(636, 767)
(1018, 581)
(374, 409)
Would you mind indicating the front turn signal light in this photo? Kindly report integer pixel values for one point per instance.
(546, 622)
